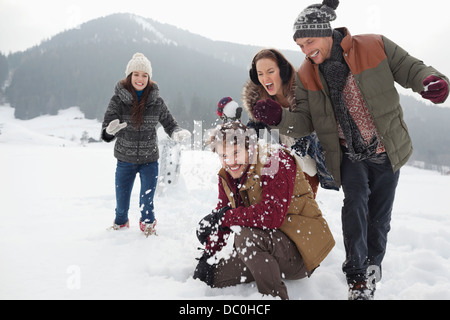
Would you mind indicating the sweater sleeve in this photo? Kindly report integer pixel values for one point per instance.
(297, 122)
(217, 240)
(166, 119)
(112, 113)
(223, 198)
(277, 192)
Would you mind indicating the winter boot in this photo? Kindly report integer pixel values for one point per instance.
(361, 291)
(119, 226)
(148, 228)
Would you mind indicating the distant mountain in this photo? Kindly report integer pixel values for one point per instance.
(429, 127)
(80, 67)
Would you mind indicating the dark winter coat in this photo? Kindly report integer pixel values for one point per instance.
(376, 63)
(140, 145)
(282, 200)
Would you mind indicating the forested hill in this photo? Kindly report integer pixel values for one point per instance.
(80, 67)
(430, 131)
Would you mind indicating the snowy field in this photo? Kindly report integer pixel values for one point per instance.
(57, 199)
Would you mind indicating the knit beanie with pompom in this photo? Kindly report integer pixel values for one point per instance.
(139, 63)
(314, 21)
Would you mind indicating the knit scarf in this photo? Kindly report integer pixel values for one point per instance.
(335, 70)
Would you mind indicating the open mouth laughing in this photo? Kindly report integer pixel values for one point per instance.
(314, 54)
(270, 86)
(234, 168)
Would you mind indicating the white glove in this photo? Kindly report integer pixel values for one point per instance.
(180, 135)
(115, 126)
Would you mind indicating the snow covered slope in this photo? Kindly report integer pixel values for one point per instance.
(57, 199)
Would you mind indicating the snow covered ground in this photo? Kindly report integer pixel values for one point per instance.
(57, 199)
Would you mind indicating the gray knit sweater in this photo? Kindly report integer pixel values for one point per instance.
(133, 145)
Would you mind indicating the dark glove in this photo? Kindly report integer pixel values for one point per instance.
(205, 271)
(268, 112)
(210, 224)
(436, 89)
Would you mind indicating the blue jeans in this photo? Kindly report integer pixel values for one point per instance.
(125, 176)
(369, 191)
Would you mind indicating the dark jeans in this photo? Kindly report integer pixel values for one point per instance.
(369, 191)
(125, 176)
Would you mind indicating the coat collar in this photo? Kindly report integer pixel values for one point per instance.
(249, 178)
(346, 43)
(126, 96)
(252, 93)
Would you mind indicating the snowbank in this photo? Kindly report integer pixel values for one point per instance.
(57, 199)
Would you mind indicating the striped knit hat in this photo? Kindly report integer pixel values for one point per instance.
(314, 21)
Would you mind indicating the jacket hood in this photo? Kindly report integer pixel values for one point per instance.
(250, 95)
(127, 97)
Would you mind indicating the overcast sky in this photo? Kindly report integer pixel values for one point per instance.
(421, 27)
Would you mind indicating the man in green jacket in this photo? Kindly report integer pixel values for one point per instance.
(345, 92)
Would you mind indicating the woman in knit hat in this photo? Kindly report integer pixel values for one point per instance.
(131, 119)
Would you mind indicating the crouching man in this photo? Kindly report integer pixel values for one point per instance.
(281, 233)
